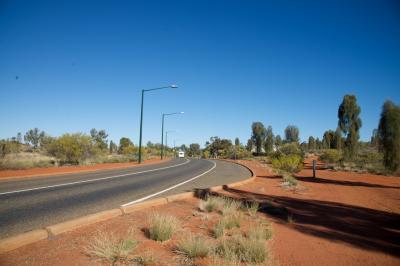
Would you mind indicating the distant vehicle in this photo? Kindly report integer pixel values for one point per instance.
(181, 154)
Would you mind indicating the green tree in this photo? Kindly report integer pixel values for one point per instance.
(249, 145)
(389, 136)
(72, 148)
(19, 137)
(99, 138)
(258, 135)
(125, 146)
(338, 139)
(375, 138)
(194, 149)
(113, 147)
(219, 147)
(278, 140)
(328, 139)
(34, 136)
(269, 140)
(350, 124)
(291, 134)
(237, 142)
(311, 144)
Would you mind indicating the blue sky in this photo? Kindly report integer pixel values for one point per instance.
(74, 65)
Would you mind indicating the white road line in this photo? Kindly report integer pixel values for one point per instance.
(167, 189)
(92, 180)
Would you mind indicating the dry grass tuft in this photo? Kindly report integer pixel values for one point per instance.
(162, 227)
(193, 247)
(107, 246)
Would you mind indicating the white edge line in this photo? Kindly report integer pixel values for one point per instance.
(92, 180)
(167, 189)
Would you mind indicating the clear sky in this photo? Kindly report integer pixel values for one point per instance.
(69, 66)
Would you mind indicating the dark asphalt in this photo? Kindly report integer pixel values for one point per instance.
(28, 210)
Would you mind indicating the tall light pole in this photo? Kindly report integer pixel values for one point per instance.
(166, 137)
(141, 116)
(162, 130)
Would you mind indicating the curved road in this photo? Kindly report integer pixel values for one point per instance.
(37, 202)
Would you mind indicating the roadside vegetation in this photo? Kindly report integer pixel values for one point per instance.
(340, 149)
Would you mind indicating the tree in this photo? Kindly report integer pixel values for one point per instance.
(389, 136)
(350, 124)
(19, 137)
(375, 138)
(219, 147)
(125, 145)
(99, 138)
(269, 140)
(249, 145)
(328, 139)
(337, 140)
(194, 149)
(237, 142)
(258, 135)
(278, 140)
(291, 134)
(72, 148)
(113, 147)
(311, 144)
(34, 136)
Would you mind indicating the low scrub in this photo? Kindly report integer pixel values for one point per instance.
(260, 232)
(25, 160)
(193, 247)
(248, 250)
(211, 204)
(230, 206)
(162, 227)
(289, 181)
(106, 246)
(331, 156)
(252, 209)
(288, 163)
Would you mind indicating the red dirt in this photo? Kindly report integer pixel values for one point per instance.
(339, 218)
(8, 174)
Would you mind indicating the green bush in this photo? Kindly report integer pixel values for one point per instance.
(25, 160)
(73, 148)
(288, 163)
(331, 156)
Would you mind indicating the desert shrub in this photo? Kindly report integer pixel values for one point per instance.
(289, 181)
(162, 227)
(9, 146)
(288, 163)
(211, 204)
(193, 247)
(144, 260)
(230, 206)
(73, 148)
(290, 149)
(219, 229)
(233, 219)
(260, 232)
(331, 156)
(248, 250)
(108, 247)
(252, 209)
(25, 160)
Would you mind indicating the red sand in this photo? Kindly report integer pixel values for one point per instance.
(339, 218)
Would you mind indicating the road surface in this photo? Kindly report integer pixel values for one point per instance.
(27, 204)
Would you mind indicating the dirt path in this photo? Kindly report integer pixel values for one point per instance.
(339, 218)
(33, 172)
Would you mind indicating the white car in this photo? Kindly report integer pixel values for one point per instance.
(181, 154)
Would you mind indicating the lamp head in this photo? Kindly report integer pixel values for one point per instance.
(174, 86)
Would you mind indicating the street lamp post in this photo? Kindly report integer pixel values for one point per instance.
(162, 130)
(141, 117)
(166, 139)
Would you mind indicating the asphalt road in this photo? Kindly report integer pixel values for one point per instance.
(27, 204)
